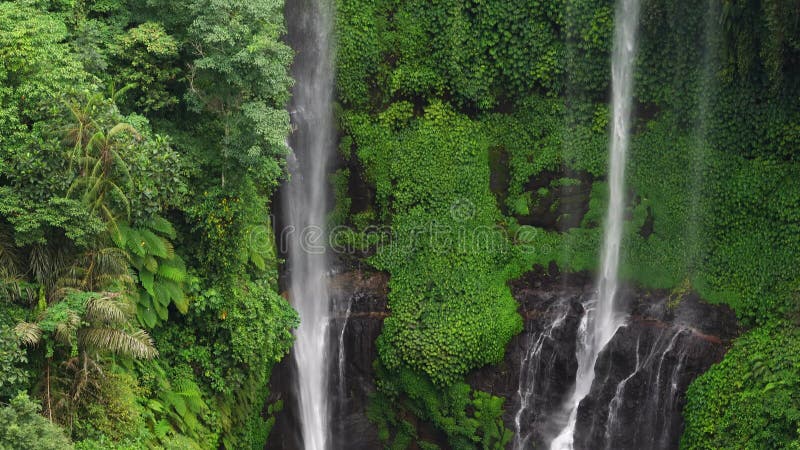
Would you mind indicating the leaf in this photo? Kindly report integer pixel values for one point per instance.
(154, 244)
(162, 428)
(135, 243)
(182, 304)
(28, 333)
(155, 405)
(161, 310)
(137, 344)
(147, 279)
(258, 261)
(178, 403)
(173, 269)
(162, 296)
(146, 315)
(162, 226)
(110, 309)
(150, 264)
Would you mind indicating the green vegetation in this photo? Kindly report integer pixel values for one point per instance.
(23, 428)
(495, 107)
(750, 400)
(141, 143)
(138, 284)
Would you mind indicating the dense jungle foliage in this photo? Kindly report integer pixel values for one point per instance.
(138, 279)
(465, 115)
(142, 141)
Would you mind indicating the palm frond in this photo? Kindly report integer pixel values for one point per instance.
(121, 128)
(28, 333)
(111, 308)
(137, 344)
(9, 258)
(66, 329)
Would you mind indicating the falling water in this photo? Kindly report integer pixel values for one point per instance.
(341, 363)
(601, 320)
(655, 412)
(535, 371)
(310, 23)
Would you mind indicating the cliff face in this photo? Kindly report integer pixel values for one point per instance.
(641, 380)
(359, 303)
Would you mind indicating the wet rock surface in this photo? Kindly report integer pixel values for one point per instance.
(635, 402)
(364, 294)
(668, 341)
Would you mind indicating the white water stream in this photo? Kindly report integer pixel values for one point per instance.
(602, 320)
(305, 198)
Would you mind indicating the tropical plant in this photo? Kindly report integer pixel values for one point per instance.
(79, 329)
(103, 180)
(160, 271)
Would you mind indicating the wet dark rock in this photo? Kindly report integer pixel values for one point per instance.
(366, 295)
(643, 373)
(676, 338)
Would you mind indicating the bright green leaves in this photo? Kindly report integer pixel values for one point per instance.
(36, 64)
(750, 400)
(23, 428)
(470, 419)
(91, 323)
(177, 409)
(161, 272)
(451, 310)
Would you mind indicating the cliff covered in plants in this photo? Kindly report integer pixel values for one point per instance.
(461, 116)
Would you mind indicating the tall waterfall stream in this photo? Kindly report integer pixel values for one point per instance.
(306, 203)
(602, 320)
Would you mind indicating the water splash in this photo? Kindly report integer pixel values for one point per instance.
(305, 197)
(602, 319)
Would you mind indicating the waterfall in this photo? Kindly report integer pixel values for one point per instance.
(653, 415)
(601, 320)
(535, 371)
(305, 199)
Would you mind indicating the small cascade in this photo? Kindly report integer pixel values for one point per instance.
(638, 404)
(654, 414)
(602, 319)
(306, 204)
(535, 372)
(340, 367)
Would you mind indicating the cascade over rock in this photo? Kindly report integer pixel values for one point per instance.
(695, 333)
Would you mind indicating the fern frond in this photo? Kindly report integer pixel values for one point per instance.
(148, 281)
(135, 243)
(155, 244)
(161, 225)
(173, 269)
